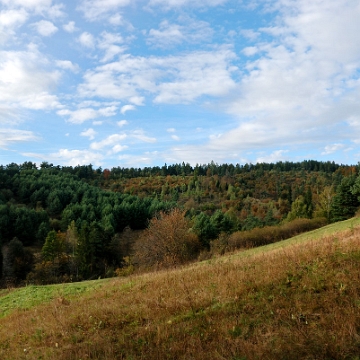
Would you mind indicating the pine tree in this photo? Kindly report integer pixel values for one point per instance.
(346, 200)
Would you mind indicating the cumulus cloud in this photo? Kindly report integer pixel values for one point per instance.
(303, 82)
(126, 108)
(168, 4)
(25, 81)
(117, 19)
(277, 155)
(45, 28)
(250, 34)
(10, 21)
(189, 30)
(76, 157)
(81, 115)
(329, 149)
(70, 27)
(12, 18)
(12, 136)
(90, 133)
(122, 123)
(67, 65)
(118, 148)
(171, 79)
(87, 40)
(34, 5)
(140, 135)
(109, 141)
(96, 9)
(109, 42)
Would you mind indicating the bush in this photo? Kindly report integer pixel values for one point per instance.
(166, 242)
(271, 234)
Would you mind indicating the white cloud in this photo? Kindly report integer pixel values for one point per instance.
(11, 136)
(147, 158)
(41, 101)
(25, 81)
(250, 50)
(195, 75)
(67, 65)
(56, 11)
(172, 79)
(81, 115)
(33, 5)
(303, 82)
(137, 100)
(250, 34)
(330, 149)
(86, 39)
(277, 155)
(118, 148)
(108, 142)
(122, 123)
(109, 43)
(90, 133)
(167, 4)
(70, 27)
(171, 130)
(12, 18)
(126, 108)
(190, 31)
(175, 137)
(116, 19)
(96, 9)
(140, 135)
(45, 28)
(76, 157)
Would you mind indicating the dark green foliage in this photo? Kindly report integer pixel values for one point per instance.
(19, 260)
(251, 222)
(221, 223)
(1, 260)
(54, 246)
(89, 251)
(309, 206)
(346, 201)
(204, 229)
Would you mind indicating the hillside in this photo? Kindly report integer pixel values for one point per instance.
(63, 224)
(294, 299)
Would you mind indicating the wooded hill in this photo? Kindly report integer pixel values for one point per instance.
(73, 223)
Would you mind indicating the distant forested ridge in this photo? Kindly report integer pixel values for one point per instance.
(83, 218)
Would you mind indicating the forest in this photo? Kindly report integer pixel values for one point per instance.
(64, 224)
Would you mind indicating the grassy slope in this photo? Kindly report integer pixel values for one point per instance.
(296, 299)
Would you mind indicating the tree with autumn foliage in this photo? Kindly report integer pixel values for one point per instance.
(168, 241)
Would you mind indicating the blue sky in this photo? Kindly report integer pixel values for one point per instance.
(147, 82)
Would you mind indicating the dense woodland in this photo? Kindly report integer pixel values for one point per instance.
(72, 223)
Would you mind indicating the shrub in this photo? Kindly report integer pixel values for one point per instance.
(166, 242)
(271, 234)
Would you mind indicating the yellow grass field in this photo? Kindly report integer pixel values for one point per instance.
(296, 299)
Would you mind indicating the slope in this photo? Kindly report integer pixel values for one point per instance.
(295, 299)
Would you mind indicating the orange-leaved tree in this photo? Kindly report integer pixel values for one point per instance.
(168, 241)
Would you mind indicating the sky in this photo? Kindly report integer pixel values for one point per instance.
(135, 83)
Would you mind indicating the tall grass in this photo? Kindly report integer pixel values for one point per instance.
(297, 302)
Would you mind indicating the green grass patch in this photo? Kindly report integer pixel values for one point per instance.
(30, 296)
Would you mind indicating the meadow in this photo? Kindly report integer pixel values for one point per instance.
(295, 299)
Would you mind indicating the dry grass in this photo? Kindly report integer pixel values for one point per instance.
(295, 302)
